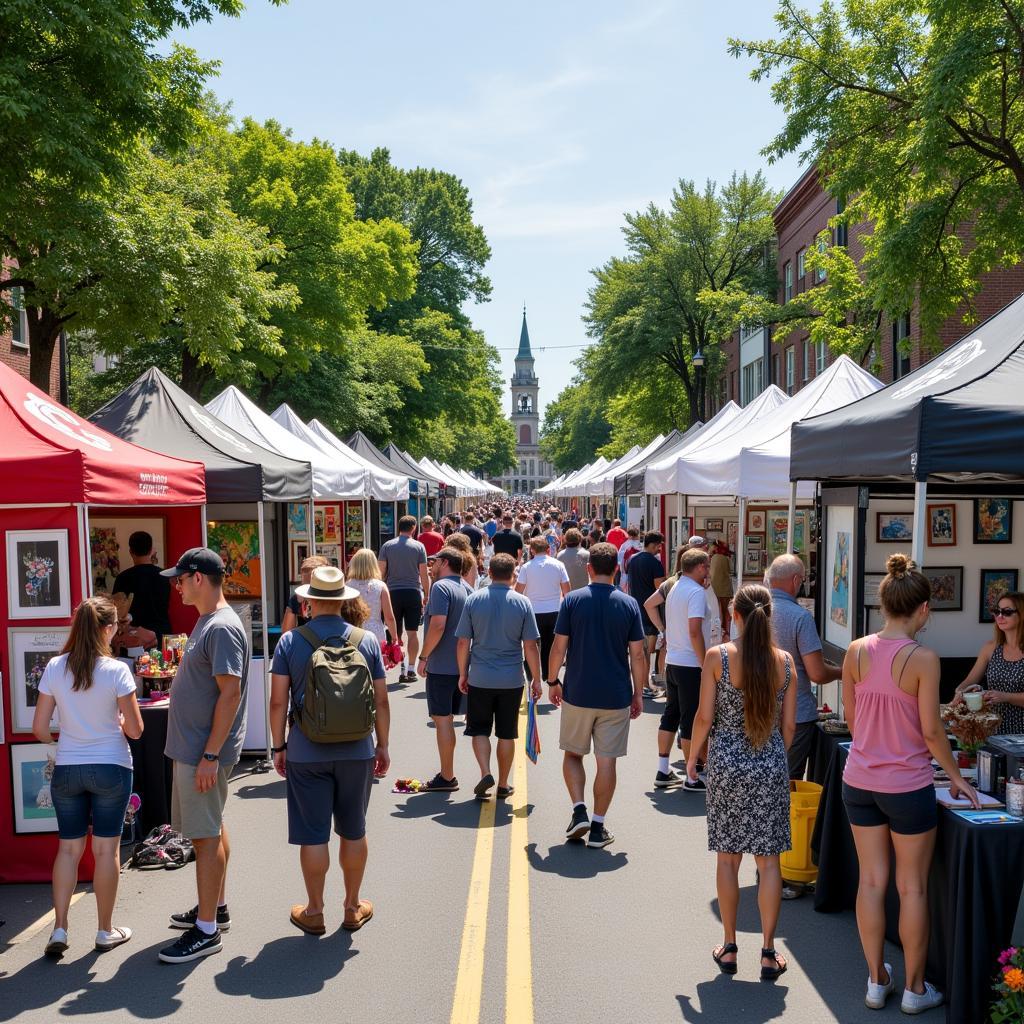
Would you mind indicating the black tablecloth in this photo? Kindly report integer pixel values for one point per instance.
(820, 758)
(973, 893)
(152, 770)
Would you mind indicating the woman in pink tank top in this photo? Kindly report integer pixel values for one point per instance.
(891, 697)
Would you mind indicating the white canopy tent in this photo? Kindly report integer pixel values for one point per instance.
(552, 485)
(567, 489)
(585, 483)
(331, 477)
(602, 483)
(379, 483)
(476, 486)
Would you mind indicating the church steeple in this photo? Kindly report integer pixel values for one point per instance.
(524, 352)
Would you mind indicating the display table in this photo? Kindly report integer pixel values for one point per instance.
(820, 758)
(153, 771)
(973, 892)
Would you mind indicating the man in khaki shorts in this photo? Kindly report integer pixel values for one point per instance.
(600, 637)
(205, 727)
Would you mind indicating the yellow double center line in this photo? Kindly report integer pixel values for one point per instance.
(518, 960)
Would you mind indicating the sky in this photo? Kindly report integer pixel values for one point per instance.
(559, 117)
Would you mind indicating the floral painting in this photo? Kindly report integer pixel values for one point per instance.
(30, 649)
(38, 585)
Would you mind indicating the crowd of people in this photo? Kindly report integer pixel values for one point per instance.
(482, 605)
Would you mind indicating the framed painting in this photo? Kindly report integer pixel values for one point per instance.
(332, 552)
(238, 544)
(942, 525)
(32, 766)
(298, 551)
(714, 525)
(835, 576)
(29, 650)
(994, 583)
(38, 579)
(732, 533)
(947, 587)
(872, 581)
(327, 524)
(894, 526)
(756, 518)
(993, 521)
(108, 546)
(298, 520)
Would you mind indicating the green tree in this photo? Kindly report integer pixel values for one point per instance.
(645, 309)
(912, 109)
(652, 406)
(574, 426)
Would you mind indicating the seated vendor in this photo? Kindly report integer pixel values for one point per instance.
(293, 614)
(1000, 665)
(151, 593)
(129, 637)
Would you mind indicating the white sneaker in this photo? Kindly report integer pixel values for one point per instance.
(877, 994)
(115, 937)
(58, 944)
(918, 1003)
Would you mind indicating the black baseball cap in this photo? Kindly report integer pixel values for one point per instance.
(202, 560)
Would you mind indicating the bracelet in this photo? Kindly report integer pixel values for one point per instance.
(277, 750)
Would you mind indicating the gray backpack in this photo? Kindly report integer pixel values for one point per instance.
(338, 705)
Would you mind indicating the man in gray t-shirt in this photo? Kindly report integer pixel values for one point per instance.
(497, 630)
(403, 564)
(575, 559)
(205, 727)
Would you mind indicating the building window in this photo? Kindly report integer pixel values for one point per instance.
(790, 370)
(19, 319)
(901, 347)
(752, 382)
(787, 272)
(524, 434)
(807, 359)
(800, 268)
(531, 467)
(842, 231)
(820, 272)
(820, 357)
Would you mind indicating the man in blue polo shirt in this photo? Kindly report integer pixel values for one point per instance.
(496, 632)
(600, 636)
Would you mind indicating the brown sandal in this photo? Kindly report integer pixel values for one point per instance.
(311, 924)
(355, 919)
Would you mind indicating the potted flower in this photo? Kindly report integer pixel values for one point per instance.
(1008, 1007)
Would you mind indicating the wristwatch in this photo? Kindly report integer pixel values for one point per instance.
(211, 757)
(556, 682)
(277, 750)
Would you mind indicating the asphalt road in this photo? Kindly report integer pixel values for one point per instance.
(483, 913)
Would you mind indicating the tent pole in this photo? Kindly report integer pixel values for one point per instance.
(263, 625)
(202, 523)
(790, 519)
(84, 549)
(741, 529)
(920, 522)
(310, 526)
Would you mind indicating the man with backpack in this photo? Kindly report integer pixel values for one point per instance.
(333, 673)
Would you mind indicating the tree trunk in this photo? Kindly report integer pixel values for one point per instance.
(194, 376)
(43, 332)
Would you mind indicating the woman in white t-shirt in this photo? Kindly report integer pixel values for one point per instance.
(544, 581)
(94, 695)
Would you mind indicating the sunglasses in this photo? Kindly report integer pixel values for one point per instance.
(1003, 613)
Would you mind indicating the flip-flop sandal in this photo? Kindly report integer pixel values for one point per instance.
(483, 787)
(503, 792)
(311, 924)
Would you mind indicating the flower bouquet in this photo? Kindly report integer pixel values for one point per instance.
(37, 575)
(1008, 1007)
(971, 728)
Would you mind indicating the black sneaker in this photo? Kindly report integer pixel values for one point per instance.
(599, 836)
(193, 945)
(188, 919)
(580, 824)
(695, 787)
(665, 779)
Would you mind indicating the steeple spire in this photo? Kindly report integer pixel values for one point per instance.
(524, 340)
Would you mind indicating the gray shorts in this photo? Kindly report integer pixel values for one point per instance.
(321, 790)
(198, 815)
(800, 749)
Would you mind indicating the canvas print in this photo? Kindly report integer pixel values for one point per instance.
(947, 587)
(994, 584)
(755, 520)
(238, 544)
(29, 650)
(32, 766)
(840, 603)
(993, 521)
(105, 557)
(732, 533)
(941, 525)
(387, 522)
(298, 520)
(895, 526)
(38, 583)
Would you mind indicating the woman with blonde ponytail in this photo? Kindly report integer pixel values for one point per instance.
(748, 709)
(94, 694)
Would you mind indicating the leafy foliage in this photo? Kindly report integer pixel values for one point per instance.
(653, 406)
(574, 426)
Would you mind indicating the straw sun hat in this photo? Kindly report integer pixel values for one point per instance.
(326, 584)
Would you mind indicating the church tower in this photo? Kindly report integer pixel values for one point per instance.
(530, 472)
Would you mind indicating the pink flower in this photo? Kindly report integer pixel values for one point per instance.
(1007, 955)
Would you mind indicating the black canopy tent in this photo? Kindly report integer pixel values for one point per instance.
(419, 487)
(157, 414)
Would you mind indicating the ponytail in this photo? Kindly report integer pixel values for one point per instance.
(754, 603)
(87, 640)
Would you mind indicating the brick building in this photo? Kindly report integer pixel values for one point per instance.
(756, 358)
(14, 346)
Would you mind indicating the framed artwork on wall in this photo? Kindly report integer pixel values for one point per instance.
(872, 581)
(942, 525)
(755, 520)
(29, 650)
(993, 521)
(994, 583)
(108, 546)
(238, 544)
(298, 520)
(714, 525)
(894, 526)
(38, 580)
(947, 587)
(298, 552)
(32, 766)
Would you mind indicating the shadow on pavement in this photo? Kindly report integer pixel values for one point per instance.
(439, 806)
(678, 802)
(724, 997)
(295, 965)
(268, 791)
(575, 860)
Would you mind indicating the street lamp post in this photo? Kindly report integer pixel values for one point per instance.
(698, 365)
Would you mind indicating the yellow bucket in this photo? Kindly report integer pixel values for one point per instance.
(796, 862)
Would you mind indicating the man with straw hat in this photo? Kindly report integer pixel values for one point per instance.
(328, 780)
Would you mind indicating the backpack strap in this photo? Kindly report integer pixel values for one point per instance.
(355, 636)
(310, 637)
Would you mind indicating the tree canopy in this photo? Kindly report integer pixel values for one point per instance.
(574, 426)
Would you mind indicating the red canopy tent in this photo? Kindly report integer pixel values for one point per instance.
(54, 468)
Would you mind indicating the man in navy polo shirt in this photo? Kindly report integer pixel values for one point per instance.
(600, 636)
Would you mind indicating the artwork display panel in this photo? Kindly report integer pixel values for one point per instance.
(32, 766)
(38, 576)
(29, 650)
(238, 544)
(836, 575)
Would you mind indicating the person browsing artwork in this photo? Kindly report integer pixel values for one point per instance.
(151, 593)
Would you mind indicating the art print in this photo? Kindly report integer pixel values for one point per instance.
(104, 557)
(839, 605)
(238, 544)
(995, 583)
(38, 581)
(894, 527)
(942, 525)
(713, 525)
(298, 520)
(299, 552)
(756, 520)
(332, 552)
(29, 651)
(947, 587)
(993, 521)
(32, 767)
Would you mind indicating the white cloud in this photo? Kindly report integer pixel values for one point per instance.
(564, 220)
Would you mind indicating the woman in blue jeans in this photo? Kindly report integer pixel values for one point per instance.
(94, 695)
